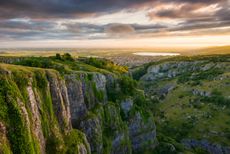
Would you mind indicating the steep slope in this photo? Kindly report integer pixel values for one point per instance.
(190, 102)
(34, 112)
(79, 108)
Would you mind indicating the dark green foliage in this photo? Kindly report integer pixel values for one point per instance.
(138, 72)
(208, 75)
(164, 148)
(200, 151)
(140, 99)
(121, 88)
(40, 79)
(217, 98)
(113, 94)
(178, 131)
(65, 64)
(90, 77)
(98, 93)
(3, 96)
(43, 63)
(73, 140)
(168, 145)
(96, 62)
(184, 78)
(200, 75)
(67, 57)
(35, 62)
(55, 145)
(127, 85)
(105, 64)
(18, 133)
(58, 56)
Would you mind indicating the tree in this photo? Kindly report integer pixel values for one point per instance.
(67, 56)
(58, 56)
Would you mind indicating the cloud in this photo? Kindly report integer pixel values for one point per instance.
(56, 19)
(185, 10)
(23, 24)
(119, 29)
(77, 27)
(78, 8)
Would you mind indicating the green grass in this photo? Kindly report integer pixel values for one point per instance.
(182, 114)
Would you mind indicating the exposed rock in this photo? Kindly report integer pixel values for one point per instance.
(94, 89)
(126, 105)
(47, 111)
(120, 145)
(76, 98)
(154, 69)
(82, 149)
(25, 115)
(207, 66)
(60, 101)
(166, 89)
(36, 122)
(206, 145)
(10, 60)
(171, 69)
(119, 131)
(142, 133)
(92, 128)
(4, 143)
(100, 81)
(112, 117)
(201, 93)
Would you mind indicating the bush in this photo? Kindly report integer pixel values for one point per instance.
(105, 64)
(127, 85)
(68, 57)
(36, 62)
(73, 140)
(217, 98)
(58, 56)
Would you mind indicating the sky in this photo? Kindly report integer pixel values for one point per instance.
(114, 23)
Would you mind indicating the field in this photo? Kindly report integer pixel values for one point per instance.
(120, 56)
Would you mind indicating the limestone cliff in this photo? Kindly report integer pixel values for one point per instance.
(35, 113)
(75, 112)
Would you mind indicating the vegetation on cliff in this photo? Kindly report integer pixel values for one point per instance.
(45, 94)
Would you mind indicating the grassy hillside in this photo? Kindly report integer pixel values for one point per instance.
(191, 100)
(210, 50)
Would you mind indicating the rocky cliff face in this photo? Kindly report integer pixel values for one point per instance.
(43, 112)
(100, 119)
(35, 113)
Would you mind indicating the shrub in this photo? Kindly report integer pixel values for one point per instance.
(73, 140)
(105, 64)
(68, 57)
(58, 56)
(36, 62)
(127, 85)
(217, 98)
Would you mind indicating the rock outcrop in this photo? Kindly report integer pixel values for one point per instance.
(35, 112)
(40, 111)
(204, 144)
(101, 120)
